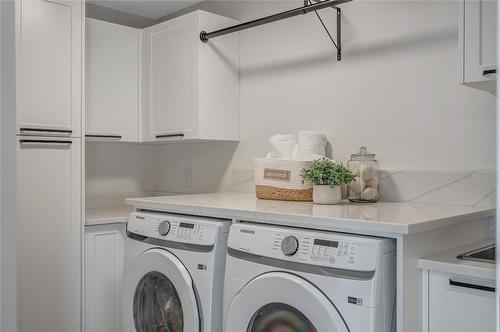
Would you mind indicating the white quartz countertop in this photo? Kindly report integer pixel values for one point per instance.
(387, 218)
(448, 262)
(107, 215)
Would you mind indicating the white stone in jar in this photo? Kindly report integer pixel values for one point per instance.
(356, 186)
(368, 172)
(369, 193)
(373, 183)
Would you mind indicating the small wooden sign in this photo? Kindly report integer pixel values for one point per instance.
(276, 174)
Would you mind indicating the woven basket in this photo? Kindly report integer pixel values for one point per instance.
(280, 179)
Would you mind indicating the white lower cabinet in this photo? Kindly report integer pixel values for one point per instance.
(104, 255)
(459, 303)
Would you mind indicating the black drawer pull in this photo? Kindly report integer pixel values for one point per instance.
(104, 136)
(471, 286)
(489, 72)
(170, 135)
(40, 141)
(41, 130)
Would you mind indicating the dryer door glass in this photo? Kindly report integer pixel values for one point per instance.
(282, 302)
(157, 306)
(279, 317)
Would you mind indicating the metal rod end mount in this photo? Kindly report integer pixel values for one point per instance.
(203, 36)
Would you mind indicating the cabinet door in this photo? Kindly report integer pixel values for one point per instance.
(112, 81)
(48, 234)
(49, 65)
(104, 273)
(460, 304)
(480, 40)
(170, 75)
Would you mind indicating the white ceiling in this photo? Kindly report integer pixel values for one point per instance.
(147, 8)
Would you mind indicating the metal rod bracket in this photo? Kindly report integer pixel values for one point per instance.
(338, 43)
(203, 36)
(307, 8)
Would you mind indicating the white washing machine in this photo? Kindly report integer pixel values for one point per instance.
(290, 279)
(174, 273)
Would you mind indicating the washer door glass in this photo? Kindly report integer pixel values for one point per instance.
(279, 317)
(157, 306)
(158, 294)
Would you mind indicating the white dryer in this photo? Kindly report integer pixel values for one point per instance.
(174, 273)
(290, 279)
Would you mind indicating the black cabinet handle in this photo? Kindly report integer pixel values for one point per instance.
(104, 136)
(41, 130)
(170, 135)
(39, 141)
(489, 72)
(471, 286)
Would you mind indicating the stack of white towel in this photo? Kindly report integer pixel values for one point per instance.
(309, 145)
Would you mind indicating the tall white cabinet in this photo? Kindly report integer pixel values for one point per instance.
(48, 234)
(48, 64)
(113, 56)
(49, 37)
(190, 89)
(478, 43)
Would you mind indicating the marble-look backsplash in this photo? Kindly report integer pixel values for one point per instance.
(470, 188)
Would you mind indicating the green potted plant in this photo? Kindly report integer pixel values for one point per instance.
(327, 178)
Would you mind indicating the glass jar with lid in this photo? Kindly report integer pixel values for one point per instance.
(365, 167)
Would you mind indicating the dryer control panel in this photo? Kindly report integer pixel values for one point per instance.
(336, 250)
(176, 228)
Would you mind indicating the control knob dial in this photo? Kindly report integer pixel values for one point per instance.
(164, 227)
(289, 245)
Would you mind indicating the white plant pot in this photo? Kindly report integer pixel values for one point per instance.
(323, 194)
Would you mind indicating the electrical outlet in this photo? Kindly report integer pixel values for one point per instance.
(187, 177)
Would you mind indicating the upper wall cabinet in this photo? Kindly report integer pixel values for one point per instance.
(112, 81)
(478, 43)
(49, 66)
(191, 89)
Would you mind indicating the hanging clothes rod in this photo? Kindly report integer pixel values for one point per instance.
(206, 36)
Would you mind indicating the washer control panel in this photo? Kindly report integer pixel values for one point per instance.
(321, 249)
(184, 229)
(342, 251)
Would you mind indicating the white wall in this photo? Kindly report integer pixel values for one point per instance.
(116, 167)
(193, 167)
(395, 90)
